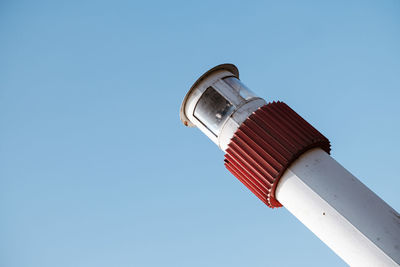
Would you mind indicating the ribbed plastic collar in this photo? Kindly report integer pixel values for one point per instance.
(266, 144)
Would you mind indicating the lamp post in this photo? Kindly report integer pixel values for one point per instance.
(285, 161)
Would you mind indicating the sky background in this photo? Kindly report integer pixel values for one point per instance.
(96, 167)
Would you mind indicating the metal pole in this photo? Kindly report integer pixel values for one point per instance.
(345, 214)
(285, 161)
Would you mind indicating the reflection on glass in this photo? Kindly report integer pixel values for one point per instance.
(242, 89)
(213, 110)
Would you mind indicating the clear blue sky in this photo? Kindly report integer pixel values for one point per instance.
(96, 168)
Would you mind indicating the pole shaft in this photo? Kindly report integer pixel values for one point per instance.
(345, 214)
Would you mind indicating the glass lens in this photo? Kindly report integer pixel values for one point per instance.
(242, 89)
(213, 110)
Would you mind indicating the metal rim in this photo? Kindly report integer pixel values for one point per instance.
(227, 66)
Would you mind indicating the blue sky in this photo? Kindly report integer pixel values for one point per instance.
(96, 168)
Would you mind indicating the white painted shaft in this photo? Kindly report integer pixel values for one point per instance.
(347, 216)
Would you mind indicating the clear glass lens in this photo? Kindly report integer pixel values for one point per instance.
(213, 110)
(242, 89)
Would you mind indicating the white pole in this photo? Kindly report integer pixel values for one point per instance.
(346, 215)
(261, 141)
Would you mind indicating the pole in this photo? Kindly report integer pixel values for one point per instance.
(285, 161)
